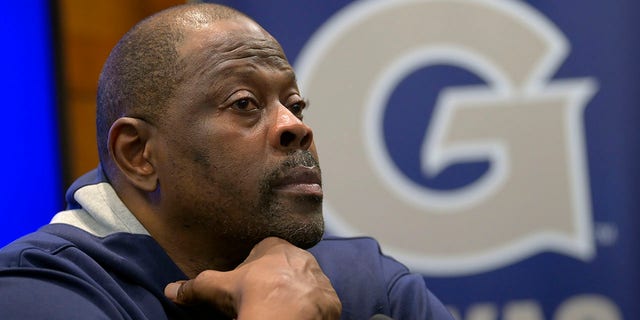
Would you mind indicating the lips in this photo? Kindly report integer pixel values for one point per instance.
(300, 180)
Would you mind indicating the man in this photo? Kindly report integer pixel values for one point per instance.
(207, 173)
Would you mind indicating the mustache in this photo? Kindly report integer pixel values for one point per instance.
(299, 158)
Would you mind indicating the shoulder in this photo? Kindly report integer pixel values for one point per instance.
(38, 245)
(333, 248)
(73, 274)
(62, 243)
(359, 253)
(37, 267)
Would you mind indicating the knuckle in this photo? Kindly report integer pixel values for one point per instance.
(184, 292)
(282, 280)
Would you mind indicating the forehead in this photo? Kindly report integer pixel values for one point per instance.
(214, 46)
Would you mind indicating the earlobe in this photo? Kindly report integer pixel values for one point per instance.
(131, 149)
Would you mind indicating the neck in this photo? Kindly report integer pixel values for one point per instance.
(191, 248)
(193, 258)
(194, 251)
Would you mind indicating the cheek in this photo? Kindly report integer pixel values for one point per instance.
(222, 152)
(235, 158)
(238, 164)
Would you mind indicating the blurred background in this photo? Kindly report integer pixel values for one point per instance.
(491, 145)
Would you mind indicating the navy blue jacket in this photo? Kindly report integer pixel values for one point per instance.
(96, 261)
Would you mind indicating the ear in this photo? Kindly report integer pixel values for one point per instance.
(131, 149)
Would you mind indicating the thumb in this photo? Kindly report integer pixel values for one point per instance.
(209, 287)
(174, 291)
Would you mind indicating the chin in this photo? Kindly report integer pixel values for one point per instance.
(297, 220)
(306, 235)
(312, 240)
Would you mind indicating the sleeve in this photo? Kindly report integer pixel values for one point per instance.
(369, 282)
(409, 297)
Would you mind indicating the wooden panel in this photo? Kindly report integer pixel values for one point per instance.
(88, 31)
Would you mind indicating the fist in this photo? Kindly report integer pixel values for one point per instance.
(276, 281)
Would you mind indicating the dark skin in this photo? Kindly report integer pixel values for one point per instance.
(228, 182)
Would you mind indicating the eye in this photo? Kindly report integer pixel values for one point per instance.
(298, 108)
(245, 104)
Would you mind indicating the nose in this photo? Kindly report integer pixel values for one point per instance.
(290, 133)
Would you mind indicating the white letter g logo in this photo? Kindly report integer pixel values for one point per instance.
(534, 195)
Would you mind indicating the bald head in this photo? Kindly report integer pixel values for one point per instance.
(144, 68)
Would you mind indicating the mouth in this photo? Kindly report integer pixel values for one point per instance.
(300, 180)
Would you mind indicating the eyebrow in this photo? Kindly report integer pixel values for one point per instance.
(223, 77)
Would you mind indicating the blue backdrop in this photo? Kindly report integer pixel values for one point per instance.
(29, 167)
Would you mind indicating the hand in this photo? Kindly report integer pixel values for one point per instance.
(276, 281)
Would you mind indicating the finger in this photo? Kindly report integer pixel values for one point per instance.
(172, 290)
(265, 246)
(268, 243)
(209, 287)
